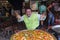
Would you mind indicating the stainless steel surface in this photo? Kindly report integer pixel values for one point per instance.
(56, 28)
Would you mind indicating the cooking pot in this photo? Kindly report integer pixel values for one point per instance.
(56, 28)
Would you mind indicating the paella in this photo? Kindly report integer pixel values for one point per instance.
(32, 35)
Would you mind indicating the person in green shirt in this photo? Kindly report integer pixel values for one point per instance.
(31, 19)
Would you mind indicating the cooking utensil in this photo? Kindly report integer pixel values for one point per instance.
(56, 28)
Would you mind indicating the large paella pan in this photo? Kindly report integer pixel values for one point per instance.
(32, 35)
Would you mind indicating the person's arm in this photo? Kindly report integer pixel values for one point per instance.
(41, 17)
(19, 18)
(17, 15)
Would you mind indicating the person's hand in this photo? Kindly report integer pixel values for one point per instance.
(18, 17)
(16, 13)
(42, 16)
(49, 27)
